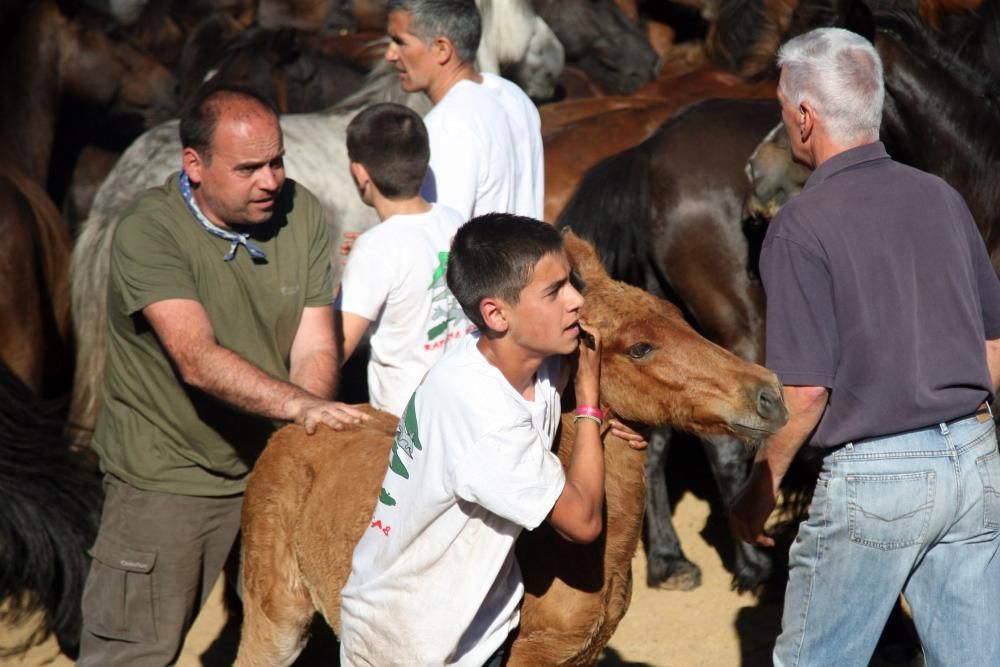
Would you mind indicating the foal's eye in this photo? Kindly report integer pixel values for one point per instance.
(640, 350)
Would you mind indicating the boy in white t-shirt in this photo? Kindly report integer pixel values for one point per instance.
(434, 579)
(395, 275)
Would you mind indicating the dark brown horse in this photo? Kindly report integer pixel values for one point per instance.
(284, 65)
(35, 338)
(53, 62)
(941, 115)
(665, 216)
(578, 134)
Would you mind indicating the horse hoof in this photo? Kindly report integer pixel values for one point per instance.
(753, 575)
(675, 574)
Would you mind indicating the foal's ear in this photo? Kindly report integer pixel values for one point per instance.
(583, 257)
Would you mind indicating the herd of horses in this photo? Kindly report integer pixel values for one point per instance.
(671, 176)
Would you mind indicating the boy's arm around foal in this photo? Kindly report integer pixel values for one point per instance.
(577, 514)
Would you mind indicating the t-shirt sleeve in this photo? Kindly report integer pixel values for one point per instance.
(802, 344)
(453, 175)
(320, 278)
(147, 264)
(986, 278)
(511, 473)
(367, 280)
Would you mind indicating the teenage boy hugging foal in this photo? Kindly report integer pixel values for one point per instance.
(434, 579)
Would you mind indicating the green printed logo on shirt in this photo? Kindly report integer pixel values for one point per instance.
(445, 307)
(406, 441)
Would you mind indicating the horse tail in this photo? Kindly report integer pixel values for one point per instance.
(610, 208)
(90, 266)
(51, 510)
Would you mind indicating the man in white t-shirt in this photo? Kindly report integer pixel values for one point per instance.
(485, 133)
(434, 579)
(395, 275)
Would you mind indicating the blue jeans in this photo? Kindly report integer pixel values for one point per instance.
(917, 513)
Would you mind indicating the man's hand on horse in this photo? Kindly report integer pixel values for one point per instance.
(334, 414)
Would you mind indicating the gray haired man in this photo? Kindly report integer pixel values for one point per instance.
(883, 314)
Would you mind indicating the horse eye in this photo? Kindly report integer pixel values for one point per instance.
(640, 350)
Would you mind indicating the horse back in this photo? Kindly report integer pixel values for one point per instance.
(308, 502)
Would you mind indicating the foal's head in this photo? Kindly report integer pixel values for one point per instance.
(658, 371)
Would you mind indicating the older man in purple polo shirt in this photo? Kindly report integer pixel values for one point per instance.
(883, 315)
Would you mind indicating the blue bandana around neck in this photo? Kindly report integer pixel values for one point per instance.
(236, 239)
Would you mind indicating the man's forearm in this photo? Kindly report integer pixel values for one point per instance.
(229, 377)
(993, 361)
(805, 407)
(317, 373)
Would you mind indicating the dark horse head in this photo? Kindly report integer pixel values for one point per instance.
(600, 39)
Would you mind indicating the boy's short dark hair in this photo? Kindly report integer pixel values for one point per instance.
(494, 255)
(390, 141)
(201, 116)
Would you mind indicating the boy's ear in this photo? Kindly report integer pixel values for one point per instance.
(360, 175)
(494, 314)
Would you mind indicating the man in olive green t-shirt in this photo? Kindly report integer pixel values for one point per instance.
(220, 325)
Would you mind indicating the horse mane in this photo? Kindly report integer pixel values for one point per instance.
(51, 510)
(974, 35)
(966, 80)
(747, 33)
(382, 85)
(610, 208)
(957, 96)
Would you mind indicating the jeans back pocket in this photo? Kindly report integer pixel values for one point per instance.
(989, 472)
(889, 511)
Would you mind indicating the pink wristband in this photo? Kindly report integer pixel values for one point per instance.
(589, 410)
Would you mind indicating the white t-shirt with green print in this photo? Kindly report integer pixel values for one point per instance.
(395, 277)
(434, 579)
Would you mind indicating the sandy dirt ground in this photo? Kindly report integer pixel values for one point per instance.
(712, 626)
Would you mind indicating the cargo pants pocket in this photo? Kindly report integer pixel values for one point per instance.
(118, 597)
(890, 511)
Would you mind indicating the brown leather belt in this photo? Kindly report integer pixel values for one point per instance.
(982, 414)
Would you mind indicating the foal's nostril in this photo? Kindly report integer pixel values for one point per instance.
(769, 404)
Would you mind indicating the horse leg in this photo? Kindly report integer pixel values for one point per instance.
(277, 607)
(666, 565)
(729, 461)
(275, 623)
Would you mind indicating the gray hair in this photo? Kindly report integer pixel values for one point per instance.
(458, 20)
(840, 74)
